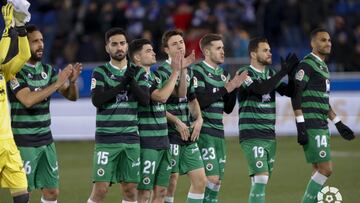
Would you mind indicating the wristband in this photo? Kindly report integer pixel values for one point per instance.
(300, 119)
(336, 120)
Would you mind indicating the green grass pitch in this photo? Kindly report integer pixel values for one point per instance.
(290, 177)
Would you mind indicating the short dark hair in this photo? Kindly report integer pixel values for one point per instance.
(315, 31)
(208, 38)
(136, 45)
(166, 36)
(114, 31)
(31, 28)
(254, 44)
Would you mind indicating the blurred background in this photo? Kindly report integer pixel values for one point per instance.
(74, 31)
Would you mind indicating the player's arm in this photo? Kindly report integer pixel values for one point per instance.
(195, 111)
(29, 98)
(139, 86)
(181, 127)
(70, 89)
(269, 85)
(7, 13)
(162, 94)
(302, 76)
(184, 63)
(343, 129)
(100, 96)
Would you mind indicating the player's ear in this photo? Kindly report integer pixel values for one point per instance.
(252, 54)
(136, 57)
(166, 50)
(107, 48)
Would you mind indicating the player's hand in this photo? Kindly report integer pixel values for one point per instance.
(290, 63)
(7, 12)
(130, 73)
(176, 61)
(302, 137)
(75, 72)
(240, 78)
(182, 129)
(196, 126)
(344, 131)
(64, 75)
(187, 61)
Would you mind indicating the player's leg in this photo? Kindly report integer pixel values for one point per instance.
(162, 177)
(260, 155)
(149, 164)
(98, 192)
(129, 170)
(317, 152)
(171, 188)
(213, 155)
(192, 164)
(105, 161)
(12, 172)
(48, 171)
(175, 154)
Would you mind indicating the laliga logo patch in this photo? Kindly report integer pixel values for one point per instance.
(93, 83)
(259, 164)
(100, 172)
(158, 81)
(248, 81)
(14, 83)
(209, 167)
(329, 195)
(44, 75)
(223, 77)
(322, 154)
(195, 82)
(146, 181)
(300, 75)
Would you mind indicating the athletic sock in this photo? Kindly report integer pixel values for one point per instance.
(257, 192)
(314, 186)
(195, 198)
(211, 193)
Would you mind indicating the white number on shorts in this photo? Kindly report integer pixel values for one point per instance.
(27, 167)
(149, 166)
(321, 140)
(102, 157)
(258, 151)
(174, 149)
(208, 153)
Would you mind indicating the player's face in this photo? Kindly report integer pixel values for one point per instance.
(36, 45)
(216, 52)
(147, 55)
(117, 47)
(263, 54)
(321, 43)
(175, 44)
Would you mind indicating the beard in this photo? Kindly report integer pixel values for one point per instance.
(264, 61)
(118, 56)
(35, 56)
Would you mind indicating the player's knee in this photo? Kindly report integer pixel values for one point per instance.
(326, 171)
(130, 191)
(51, 194)
(24, 198)
(200, 182)
(160, 193)
(214, 180)
(144, 195)
(100, 192)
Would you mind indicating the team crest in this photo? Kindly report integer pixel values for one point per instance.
(209, 167)
(327, 85)
(259, 164)
(173, 162)
(93, 83)
(44, 75)
(146, 181)
(14, 83)
(300, 75)
(322, 154)
(223, 77)
(100, 172)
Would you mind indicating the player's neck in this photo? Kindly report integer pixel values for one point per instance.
(32, 62)
(119, 64)
(321, 56)
(258, 66)
(146, 68)
(210, 63)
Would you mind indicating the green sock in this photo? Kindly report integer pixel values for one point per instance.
(314, 186)
(257, 193)
(195, 198)
(211, 196)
